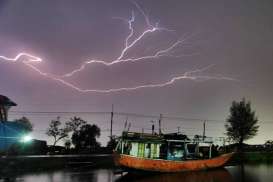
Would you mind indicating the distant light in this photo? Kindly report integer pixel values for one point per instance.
(26, 139)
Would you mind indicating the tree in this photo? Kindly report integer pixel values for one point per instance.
(112, 143)
(241, 124)
(86, 137)
(56, 132)
(67, 144)
(25, 123)
(269, 144)
(75, 123)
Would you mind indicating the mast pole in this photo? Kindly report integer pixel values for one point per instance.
(204, 130)
(111, 127)
(159, 124)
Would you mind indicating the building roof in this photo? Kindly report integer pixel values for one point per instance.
(5, 101)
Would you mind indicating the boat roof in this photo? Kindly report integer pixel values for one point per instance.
(170, 137)
(134, 136)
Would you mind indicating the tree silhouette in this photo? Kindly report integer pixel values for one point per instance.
(112, 143)
(86, 137)
(75, 123)
(56, 132)
(25, 123)
(241, 124)
(67, 144)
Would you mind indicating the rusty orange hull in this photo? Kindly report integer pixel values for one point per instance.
(161, 165)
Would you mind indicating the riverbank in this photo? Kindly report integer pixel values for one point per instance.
(254, 157)
(52, 162)
(17, 164)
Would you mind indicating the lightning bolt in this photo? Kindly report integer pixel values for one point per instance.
(189, 75)
(30, 57)
(158, 54)
(129, 43)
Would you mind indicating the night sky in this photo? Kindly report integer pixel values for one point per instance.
(233, 36)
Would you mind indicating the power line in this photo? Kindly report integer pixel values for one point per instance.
(134, 115)
(57, 112)
(115, 113)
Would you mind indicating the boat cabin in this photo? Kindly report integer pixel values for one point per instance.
(172, 146)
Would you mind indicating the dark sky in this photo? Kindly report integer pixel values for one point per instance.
(234, 36)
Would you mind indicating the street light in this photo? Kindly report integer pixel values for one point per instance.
(26, 138)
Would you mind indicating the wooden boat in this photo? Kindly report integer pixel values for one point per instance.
(162, 153)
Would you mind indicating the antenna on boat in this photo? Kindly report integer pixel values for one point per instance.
(178, 130)
(159, 124)
(129, 126)
(125, 125)
(153, 126)
(204, 130)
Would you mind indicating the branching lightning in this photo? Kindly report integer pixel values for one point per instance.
(189, 75)
(129, 43)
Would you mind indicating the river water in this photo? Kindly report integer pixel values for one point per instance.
(246, 173)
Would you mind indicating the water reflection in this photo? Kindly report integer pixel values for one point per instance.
(247, 173)
(252, 173)
(219, 175)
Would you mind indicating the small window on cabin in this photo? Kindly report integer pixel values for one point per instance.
(204, 152)
(148, 150)
(154, 151)
(134, 149)
(176, 151)
(127, 147)
(141, 149)
(191, 148)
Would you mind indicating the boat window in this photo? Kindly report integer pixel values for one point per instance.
(176, 151)
(134, 149)
(127, 147)
(141, 149)
(192, 151)
(204, 152)
(163, 151)
(148, 150)
(191, 148)
(155, 150)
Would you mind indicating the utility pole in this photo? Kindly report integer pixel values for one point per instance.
(159, 124)
(153, 126)
(204, 130)
(129, 126)
(178, 130)
(125, 125)
(111, 128)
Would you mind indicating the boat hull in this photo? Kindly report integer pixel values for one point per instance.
(161, 165)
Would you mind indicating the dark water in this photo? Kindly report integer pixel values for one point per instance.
(247, 173)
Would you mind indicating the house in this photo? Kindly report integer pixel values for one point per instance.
(5, 105)
(10, 132)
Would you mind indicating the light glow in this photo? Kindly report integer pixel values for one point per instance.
(26, 139)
